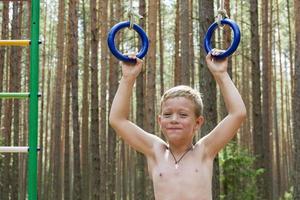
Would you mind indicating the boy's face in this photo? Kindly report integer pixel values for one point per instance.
(178, 120)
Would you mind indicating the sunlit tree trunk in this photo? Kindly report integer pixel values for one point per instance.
(47, 169)
(41, 155)
(191, 44)
(282, 111)
(85, 106)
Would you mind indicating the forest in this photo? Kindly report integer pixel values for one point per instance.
(81, 157)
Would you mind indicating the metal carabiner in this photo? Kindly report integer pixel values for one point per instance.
(131, 15)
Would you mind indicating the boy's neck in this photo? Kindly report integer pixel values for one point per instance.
(178, 149)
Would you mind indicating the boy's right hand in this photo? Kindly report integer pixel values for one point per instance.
(131, 70)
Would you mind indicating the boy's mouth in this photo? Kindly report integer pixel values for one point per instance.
(173, 128)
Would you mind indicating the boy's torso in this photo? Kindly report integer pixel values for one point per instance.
(189, 180)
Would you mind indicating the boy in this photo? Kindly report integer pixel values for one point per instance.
(179, 169)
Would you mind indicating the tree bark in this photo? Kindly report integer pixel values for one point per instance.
(57, 127)
(161, 47)
(94, 136)
(73, 65)
(208, 86)
(41, 156)
(15, 65)
(267, 110)
(184, 38)
(85, 106)
(150, 102)
(296, 103)
(140, 191)
(4, 35)
(258, 144)
(177, 56)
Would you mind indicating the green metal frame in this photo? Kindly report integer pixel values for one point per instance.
(33, 95)
(33, 99)
(15, 95)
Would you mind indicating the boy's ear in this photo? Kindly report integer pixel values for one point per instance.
(199, 122)
(159, 119)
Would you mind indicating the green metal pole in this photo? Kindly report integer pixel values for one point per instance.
(33, 99)
(14, 95)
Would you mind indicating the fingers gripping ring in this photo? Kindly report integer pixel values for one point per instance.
(236, 38)
(111, 41)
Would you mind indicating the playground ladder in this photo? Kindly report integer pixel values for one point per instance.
(33, 94)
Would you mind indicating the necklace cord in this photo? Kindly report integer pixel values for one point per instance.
(181, 157)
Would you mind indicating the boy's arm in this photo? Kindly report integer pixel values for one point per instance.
(235, 106)
(118, 118)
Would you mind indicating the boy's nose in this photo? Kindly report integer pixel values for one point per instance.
(174, 118)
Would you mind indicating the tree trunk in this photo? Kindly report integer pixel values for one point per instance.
(296, 103)
(56, 131)
(41, 179)
(258, 144)
(161, 47)
(4, 165)
(184, 38)
(113, 80)
(191, 44)
(94, 136)
(15, 65)
(177, 56)
(47, 169)
(73, 65)
(267, 110)
(282, 116)
(140, 191)
(208, 86)
(4, 35)
(85, 107)
(67, 136)
(150, 102)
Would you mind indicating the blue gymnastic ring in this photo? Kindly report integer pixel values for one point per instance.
(236, 39)
(111, 41)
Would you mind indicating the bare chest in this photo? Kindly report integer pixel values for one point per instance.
(189, 179)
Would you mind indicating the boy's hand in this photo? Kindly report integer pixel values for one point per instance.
(131, 70)
(216, 65)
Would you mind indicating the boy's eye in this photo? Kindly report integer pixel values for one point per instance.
(183, 115)
(166, 115)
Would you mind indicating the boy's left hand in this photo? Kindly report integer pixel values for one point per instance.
(216, 65)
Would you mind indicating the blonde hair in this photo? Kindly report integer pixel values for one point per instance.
(186, 92)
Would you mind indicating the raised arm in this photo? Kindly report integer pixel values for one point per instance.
(235, 106)
(118, 118)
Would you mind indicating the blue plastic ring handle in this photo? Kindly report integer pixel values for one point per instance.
(111, 41)
(236, 39)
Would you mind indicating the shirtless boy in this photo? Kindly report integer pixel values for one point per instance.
(180, 170)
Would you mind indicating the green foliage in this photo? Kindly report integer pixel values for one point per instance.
(288, 195)
(238, 176)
